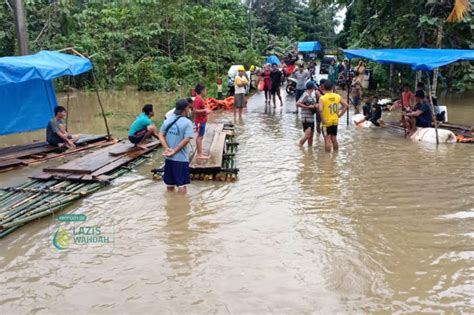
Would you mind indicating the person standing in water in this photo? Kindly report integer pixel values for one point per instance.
(241, 83)
(301, 75)
(309, 106)
(175, 135)
(200, 119)
(267, 82)
(329, 107)
(276, 77)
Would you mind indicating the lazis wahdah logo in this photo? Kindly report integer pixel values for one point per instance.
(78, 232)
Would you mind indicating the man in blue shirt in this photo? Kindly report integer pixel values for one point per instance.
(175, 134)
(421, 116)
(142, 128)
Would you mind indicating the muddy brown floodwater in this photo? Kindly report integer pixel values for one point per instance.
(386, 225)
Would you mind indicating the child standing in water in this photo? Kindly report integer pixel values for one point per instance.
(200, 119)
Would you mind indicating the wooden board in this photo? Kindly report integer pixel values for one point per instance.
(16, 148)
(132, 148)
(124, 159)
(213, 134)
(11, 163)
(90, 162)
(212, 130)
(33, 151)
(36, 148)
(217, 150)
(99, 162)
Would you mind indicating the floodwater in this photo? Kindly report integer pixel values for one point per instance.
(385, 225)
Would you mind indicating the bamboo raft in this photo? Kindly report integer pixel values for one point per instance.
(23, 155)
(58, 187)
(219, 143)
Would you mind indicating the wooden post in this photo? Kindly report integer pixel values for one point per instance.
(100, 103)
(433, 114)
(21, 31)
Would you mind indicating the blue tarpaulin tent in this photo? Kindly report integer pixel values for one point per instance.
(273, 59)
(27, 97)
(309, 46)
(419, 59)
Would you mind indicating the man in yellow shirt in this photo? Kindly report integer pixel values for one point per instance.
(240, 89)
(329, 105)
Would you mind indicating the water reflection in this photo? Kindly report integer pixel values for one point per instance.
(180, 236)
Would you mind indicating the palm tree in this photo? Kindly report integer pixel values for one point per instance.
(460, 9)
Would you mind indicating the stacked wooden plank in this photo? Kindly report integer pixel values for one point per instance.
(60, 186)
(23, 155)
(219, 145)
(94, 166)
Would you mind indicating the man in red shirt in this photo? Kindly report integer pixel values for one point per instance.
(200, 118)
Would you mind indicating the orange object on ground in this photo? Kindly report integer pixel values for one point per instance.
(214, 104)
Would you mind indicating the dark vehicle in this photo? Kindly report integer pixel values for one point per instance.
(325, 62)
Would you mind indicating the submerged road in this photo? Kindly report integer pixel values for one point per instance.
(384, 225)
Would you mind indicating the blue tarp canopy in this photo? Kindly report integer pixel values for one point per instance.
(419, 59)
(27, 97)
(273, 59)
(309, 46)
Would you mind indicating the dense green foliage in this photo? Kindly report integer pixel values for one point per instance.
(163, 44)
(403, 24)
(171, 43)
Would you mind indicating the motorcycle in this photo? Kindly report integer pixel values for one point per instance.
(290, 86)
(230, 86)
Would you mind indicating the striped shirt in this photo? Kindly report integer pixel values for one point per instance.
(306, 114)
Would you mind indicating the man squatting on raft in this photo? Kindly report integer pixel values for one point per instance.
(142, 128)
(56, 133)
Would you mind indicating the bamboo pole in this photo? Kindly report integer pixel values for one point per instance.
(100, 103)
(433, 114)
(348, 83)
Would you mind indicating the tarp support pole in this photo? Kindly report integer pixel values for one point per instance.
(433, 114)
(67, 101)
(100, 103)
(348, 83)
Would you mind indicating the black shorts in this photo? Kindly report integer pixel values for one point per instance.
(307, 125)
(318, 117)
(331, 130)
(138, 136)
(275, 90)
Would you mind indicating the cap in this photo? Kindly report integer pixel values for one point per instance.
(181, 105)
(252, 67)
(241, 68)
(310, 85)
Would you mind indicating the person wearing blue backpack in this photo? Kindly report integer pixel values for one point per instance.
(175, 135)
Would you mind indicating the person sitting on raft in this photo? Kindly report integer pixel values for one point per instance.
(56, 133)
(142, 128)
(367, 107)
(421, 116)
(372, 112)
(376, 112)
